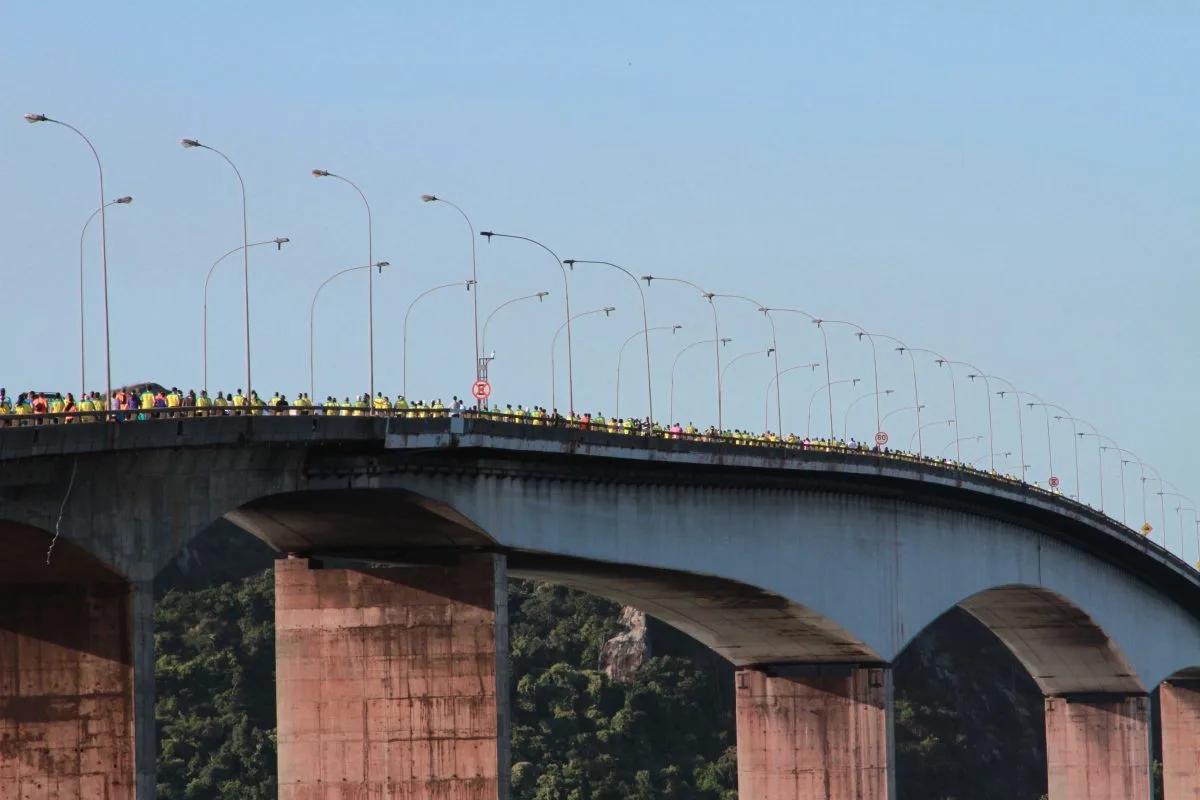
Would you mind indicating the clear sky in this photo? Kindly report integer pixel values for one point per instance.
(1014, 185)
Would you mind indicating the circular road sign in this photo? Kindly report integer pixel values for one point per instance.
(1054, 482)
(881, 438)
(481, 390)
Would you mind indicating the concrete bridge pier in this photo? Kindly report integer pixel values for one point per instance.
(812, 732)
(1098, 747)
(1179, 708)
(392, 682)
(76, 686)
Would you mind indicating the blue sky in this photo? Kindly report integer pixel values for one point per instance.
(1011, 185)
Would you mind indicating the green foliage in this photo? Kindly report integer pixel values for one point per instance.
(215, 673)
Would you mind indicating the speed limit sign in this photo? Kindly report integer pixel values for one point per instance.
(881, 438)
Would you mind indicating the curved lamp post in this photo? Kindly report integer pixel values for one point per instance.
(766, 312)
(538, 296)
(1100, 450)
(566, 299)
(958, 440)
(1020, 424)
(775, 379)
(942, 362)
(949, 422)
(193, 143)
(324, 173)
(1099, 456)
(861, 332)
(738, 358)
(554, 342)
(988, 390)
(716, 340)
(571, 262)
(828, 386)
(671, 407)
(404, 336)
(433, 198)
(846, 419)
(279, 242)
(33, 119)
(1074, 441)
(992, 456)
(917, 405)
(621, 354)
(82, 338)
(825, 341)
(312, 310)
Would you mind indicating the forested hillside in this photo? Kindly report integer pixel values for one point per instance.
(969, 721)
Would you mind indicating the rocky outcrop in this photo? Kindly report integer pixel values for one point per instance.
(622, 655)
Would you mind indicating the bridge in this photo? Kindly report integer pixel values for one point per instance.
(810, 569)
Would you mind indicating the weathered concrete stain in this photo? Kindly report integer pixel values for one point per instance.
(1098, 749)
(387, 682)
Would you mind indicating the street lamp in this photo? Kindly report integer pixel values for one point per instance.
(775, 379)
(766, 312)
(82, 338)
(1074, 441)
(825, 341)
(769, 351)
(404, 337)
(538, 296)
(566, 300)
(554, 342)
(1099, 457)
(861, 332)
(828, 386)
(955, 444)
(1121, 466)
(279, 242)
(324, 173)
(312, 309)
(621, 354)
(571, 262)
(33, 119)
(992, 456)
(949, 422)
(1020, 425)
(671, 407)
(716, 340)
(193, 143)
(917, 405)
(988, 390)
(846, 419)
(432, 198)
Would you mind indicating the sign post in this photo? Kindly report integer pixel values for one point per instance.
(481, 390)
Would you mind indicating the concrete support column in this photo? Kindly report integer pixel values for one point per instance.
(77, 691)
(1098, 747)
(1179, 707)
(393, 682)
(815, 733)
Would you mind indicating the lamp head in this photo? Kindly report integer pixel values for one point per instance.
(763, 309)
(32, 118)
(769, 351)
(709, 296)
(428, 198)
(726, 340)
(189, 143)
(469, 282)
(647, 279)
(570, 262)
(972, 376)
(124, 201)
(608, 310)
(280, 241)
(381, 264)
(859, 334)
(487, 235)
(320, 173)
(540, 295)
(675, 328)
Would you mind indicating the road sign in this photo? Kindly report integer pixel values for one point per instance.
(881, 438)
(482, 390)
(1054, 482)
(1146, 528)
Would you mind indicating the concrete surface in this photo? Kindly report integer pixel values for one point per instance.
(815, 737)
(1098, 749)
(392, 683)
(1179, 709)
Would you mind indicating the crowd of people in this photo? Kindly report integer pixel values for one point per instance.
(153, 402)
